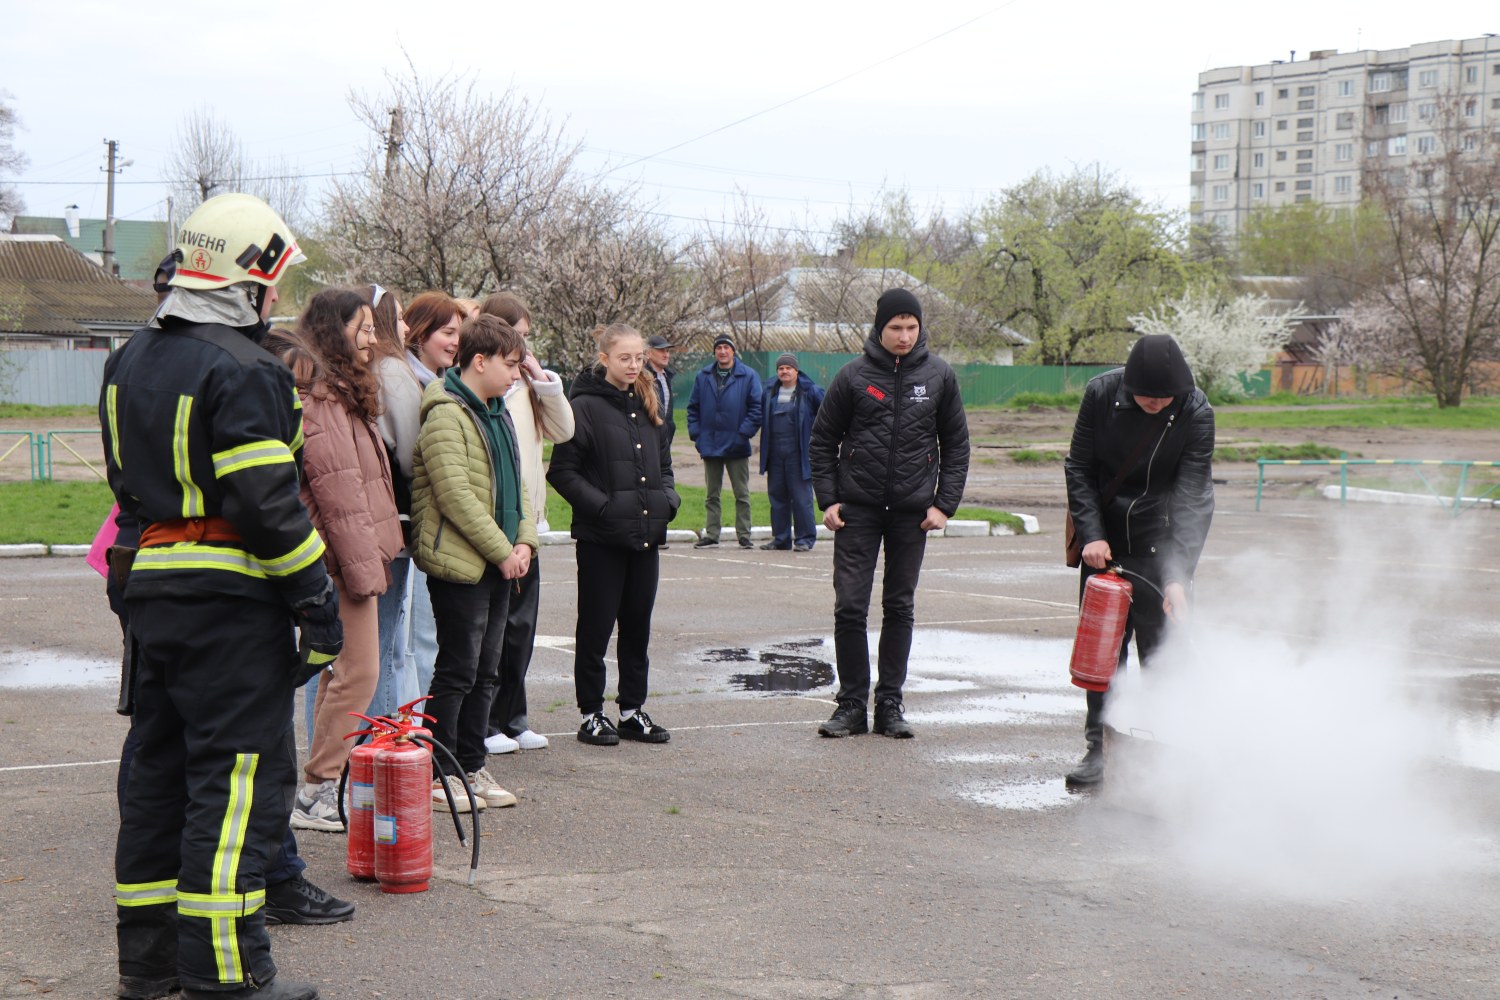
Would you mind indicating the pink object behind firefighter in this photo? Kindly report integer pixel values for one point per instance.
(108, 531)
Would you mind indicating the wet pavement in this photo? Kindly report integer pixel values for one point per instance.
(1300, 805)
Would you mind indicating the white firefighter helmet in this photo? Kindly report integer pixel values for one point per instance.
(233, 238)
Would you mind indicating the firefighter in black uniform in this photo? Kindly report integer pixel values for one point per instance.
(202, 439)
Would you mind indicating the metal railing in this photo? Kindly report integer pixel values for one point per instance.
(24, 439)
(1459, 502)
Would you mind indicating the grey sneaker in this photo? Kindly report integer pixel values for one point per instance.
(486, 787)
(317, 808)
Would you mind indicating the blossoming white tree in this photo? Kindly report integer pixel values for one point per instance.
(1222, 336)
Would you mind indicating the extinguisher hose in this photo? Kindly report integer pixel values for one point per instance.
(447, 755)
(1130, 572)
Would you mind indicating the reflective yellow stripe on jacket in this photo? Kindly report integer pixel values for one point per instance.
(200, 555)
(192, 496)
(248, 456)
(111, 406)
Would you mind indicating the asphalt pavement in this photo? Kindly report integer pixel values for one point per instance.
(1345, 658)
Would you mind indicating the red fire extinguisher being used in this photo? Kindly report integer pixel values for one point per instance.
(1101, 627)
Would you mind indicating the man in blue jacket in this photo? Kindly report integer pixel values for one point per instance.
(790, 403)
(723, 414)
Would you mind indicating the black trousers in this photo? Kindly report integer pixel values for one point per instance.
(508, 711)
(855, 548)
(470, 619)
(209, 791)
(616, 586)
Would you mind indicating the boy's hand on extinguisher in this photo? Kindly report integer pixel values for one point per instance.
(1096, 555)
(1175, 602)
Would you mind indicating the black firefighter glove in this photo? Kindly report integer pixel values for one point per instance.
(322, 633)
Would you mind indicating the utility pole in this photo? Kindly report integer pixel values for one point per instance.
(107, 255)
(394, 140)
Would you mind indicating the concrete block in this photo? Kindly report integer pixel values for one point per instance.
(681, 535)
(825, 533)
(759, 533)
(556, 538)
(966, 529)
(1029, 524)
(69, 550)
(23, 550)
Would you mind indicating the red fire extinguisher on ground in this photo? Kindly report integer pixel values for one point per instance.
(1101, 627)
(403, 816)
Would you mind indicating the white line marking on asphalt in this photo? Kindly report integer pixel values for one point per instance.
(50, 767)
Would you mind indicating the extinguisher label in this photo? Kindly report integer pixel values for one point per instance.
(385, 829)
(361, 795)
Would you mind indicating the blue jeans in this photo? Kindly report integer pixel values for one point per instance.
(421, 650)
(398, 675)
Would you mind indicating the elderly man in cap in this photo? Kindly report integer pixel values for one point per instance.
(790, 404)
(723, 414)
(1140, 488)
(659, 363)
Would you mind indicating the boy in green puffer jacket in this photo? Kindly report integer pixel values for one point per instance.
(474, 534)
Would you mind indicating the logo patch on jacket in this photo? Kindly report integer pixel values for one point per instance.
(875, 392)
(919, 394)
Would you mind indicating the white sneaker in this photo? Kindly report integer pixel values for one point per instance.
(460, 795)
(317, 808)
(531, 741)
(484, 784)
(500, 743)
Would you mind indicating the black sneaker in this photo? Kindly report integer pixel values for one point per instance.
(847, 720)
(640, 728)
(889, 720)
(598, 731)
(746, 543)
(147, 987)
(276, 989)
(773, 547)
(801, 547)
(705, 542)
(298, 901)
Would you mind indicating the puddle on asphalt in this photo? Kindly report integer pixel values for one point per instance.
(787, 669)
(1025, 795)
(1006, 709)
(45, 669)
(950, 654)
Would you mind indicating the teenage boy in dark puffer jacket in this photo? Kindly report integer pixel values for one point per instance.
(889, 455)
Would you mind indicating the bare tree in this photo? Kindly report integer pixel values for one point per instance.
(12, 160)
(1438, 315)
(206, 159)
(600, 257)
(735, 260)
(453, 190)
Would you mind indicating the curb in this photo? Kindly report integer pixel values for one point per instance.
(955, 529)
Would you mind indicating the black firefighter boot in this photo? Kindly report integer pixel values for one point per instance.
(1090, 770)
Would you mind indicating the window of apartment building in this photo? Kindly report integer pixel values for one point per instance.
(1397, 178)
(1471, 74)
(1306, 91)
(1471, 107)
(1304, 185)
(1260, 98)
(1258, 129)
(1344, 120)
(1426, 111)
(1396, 145)
(1372, 148)
(1280, 186)
(1398, 112)
(1221, 220)
(1382, 114)
(1221, 161)
(1305, 136)
(1282, 94)
(1380, 82)
(1304, 154)
(1426, 144)
(1280, 155)
(1221, 192)
(1305, 105)
(1200, 132)
(1221, 102)
(1301, 198)
(1495, 103)
(1304, 168)
(1304, 123)
(1221, 130)
(1281, 124)
(1343, 184)
(1198, 101)
(1258, 190)
(1470, 142)
(1258, 160)
(1343, 152)
(1427, 177)
(1495, 70)
(1195, 192)
(1427, 78)
(1197, 162)
(1346, 88)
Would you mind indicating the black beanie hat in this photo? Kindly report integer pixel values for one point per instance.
(896, 302)
(1157, 368)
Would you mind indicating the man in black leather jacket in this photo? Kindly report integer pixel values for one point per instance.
(1150, 416)
(889, 456)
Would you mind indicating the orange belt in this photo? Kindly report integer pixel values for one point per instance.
(189, 529)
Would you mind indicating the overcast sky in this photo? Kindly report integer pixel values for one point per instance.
(950, 100)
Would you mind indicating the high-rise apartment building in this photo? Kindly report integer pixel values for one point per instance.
(1287, 132)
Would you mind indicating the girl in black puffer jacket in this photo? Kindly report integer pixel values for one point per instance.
(616, 474)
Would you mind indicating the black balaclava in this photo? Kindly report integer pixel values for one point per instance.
(896, 302)
(1157, 368)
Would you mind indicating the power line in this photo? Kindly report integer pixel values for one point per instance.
(815, 90)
